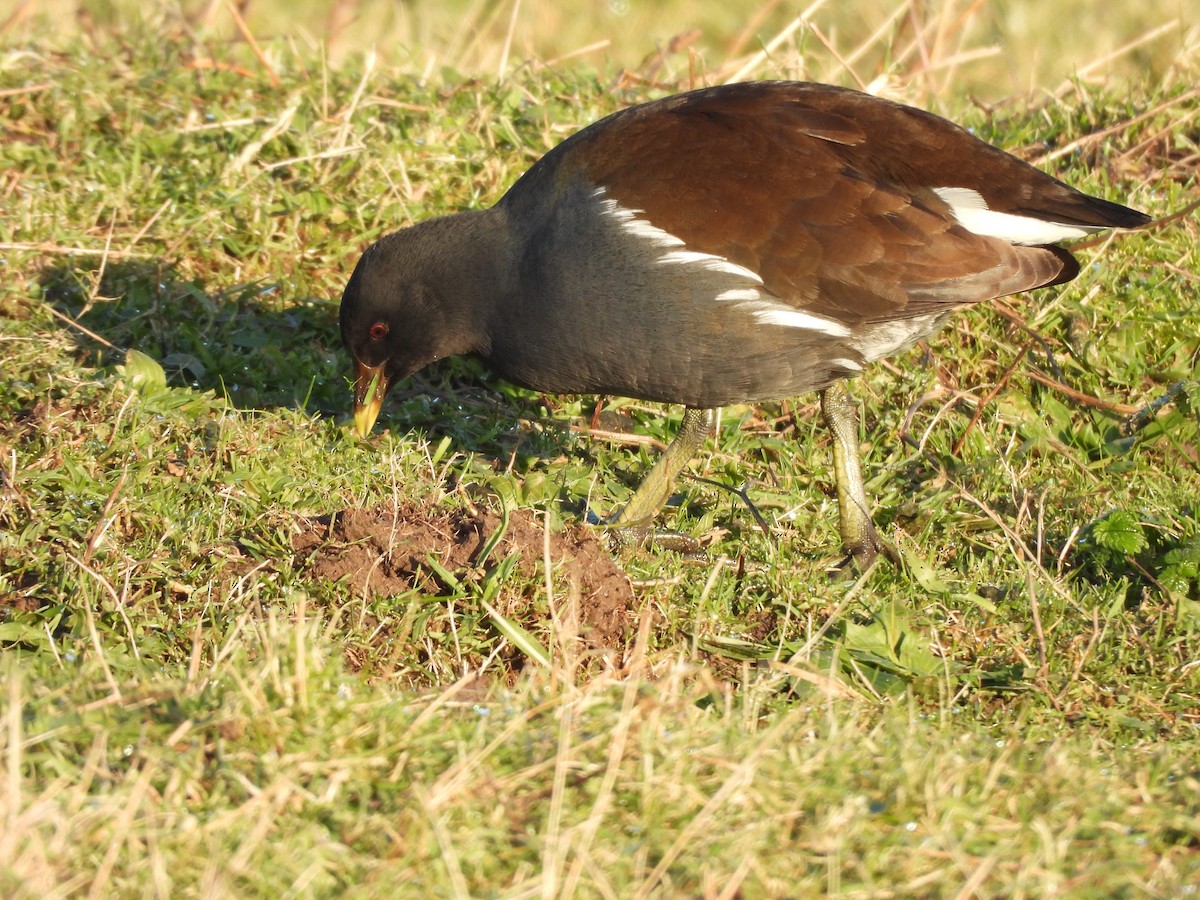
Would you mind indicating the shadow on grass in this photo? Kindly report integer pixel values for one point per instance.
(247, 343)
(260, 348)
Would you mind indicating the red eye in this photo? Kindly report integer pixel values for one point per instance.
(379, 331)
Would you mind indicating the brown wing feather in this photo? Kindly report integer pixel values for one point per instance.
(826, 193)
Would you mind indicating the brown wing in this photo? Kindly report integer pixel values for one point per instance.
(828, 194)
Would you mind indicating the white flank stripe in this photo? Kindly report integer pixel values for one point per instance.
(644, 229)
(628, 220)
(711, 262)
(740, 294)
(778, 314)
(972, 213)
(847, 364)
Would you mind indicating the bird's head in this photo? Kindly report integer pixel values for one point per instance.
(406, 306)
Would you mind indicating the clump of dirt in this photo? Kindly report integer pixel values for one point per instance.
(385, 551)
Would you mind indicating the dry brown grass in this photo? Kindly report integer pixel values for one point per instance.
(986, 48)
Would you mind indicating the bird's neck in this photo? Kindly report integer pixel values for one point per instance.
(471, 261)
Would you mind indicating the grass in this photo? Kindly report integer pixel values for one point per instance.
(987, 50)
(187, 710)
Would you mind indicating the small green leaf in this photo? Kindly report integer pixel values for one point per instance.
(23, 633)
(440, 451)
(145, 375)
(924, 573)
(888, 652)
(978, 600)
(447, 577)
(1120, 531)
(496, 537)
(518, 636)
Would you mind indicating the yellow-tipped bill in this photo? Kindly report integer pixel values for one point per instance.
(370, 387)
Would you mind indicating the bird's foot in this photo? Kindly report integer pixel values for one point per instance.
(862, 555)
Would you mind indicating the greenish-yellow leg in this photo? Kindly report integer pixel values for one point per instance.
(634, 523)
(840, 411)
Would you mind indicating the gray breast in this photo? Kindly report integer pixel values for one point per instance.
(609, 302)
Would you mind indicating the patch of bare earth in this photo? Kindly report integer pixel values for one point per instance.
(384, 551)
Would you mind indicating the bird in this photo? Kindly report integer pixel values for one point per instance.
(737, 244)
